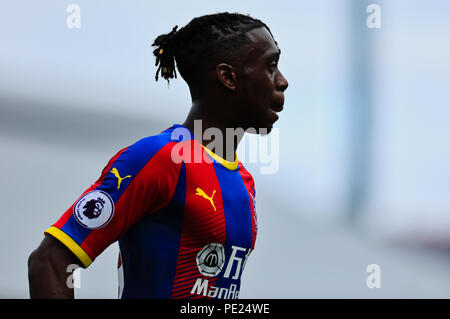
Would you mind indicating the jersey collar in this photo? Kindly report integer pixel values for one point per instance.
(229, 165)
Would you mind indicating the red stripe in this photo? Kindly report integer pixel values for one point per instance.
(186, 274)
(206, 231)
(188, 281)
(202, 225)
(186, 257)
(214, 227)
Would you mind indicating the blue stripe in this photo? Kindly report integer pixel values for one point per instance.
(238, 221)
(77, 232)
(150, 249)
(180, 133)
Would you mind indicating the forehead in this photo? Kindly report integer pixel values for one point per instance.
(261, 46)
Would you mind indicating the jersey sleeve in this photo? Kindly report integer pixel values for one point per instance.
(139, 180)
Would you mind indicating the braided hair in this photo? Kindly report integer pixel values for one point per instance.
(202, 41)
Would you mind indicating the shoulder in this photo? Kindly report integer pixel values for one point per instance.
(152, 148)
(243, 170)
(151, 154)
(246, 176)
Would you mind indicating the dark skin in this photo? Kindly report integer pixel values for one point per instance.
(47, 270)
(246, 93)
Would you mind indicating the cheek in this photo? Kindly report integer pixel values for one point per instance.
(261, 88)
(257, 90)
(264, 92)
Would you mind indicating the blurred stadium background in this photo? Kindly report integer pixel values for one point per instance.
(364, 173)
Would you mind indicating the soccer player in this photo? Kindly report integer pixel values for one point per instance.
(183, 214)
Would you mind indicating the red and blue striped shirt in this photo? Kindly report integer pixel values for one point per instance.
(184, 218)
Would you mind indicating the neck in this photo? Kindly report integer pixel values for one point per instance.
(212, 129)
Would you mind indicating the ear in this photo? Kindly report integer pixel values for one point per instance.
(226, 75)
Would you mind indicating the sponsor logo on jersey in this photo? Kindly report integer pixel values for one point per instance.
(119, 179)
(210, 259)
(201, 288)
(94, 209)
(201, 192)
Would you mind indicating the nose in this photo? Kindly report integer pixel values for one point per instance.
(281, 83)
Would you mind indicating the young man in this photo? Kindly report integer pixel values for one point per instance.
(184, 214)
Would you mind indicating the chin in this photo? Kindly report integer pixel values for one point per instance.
(262, 129)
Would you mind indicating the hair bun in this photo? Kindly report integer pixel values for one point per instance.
(165, 57)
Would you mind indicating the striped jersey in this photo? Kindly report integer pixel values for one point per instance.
(184, 219)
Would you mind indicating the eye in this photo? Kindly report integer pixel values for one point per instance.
(273, 66)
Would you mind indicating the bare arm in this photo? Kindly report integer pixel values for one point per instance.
(47, 270)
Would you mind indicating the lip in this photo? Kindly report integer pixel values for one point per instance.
(277, 108)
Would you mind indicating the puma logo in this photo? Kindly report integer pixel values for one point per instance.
(201, 192)
(119, 179)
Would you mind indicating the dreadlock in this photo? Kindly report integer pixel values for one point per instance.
(202, 41)
(165, 56)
